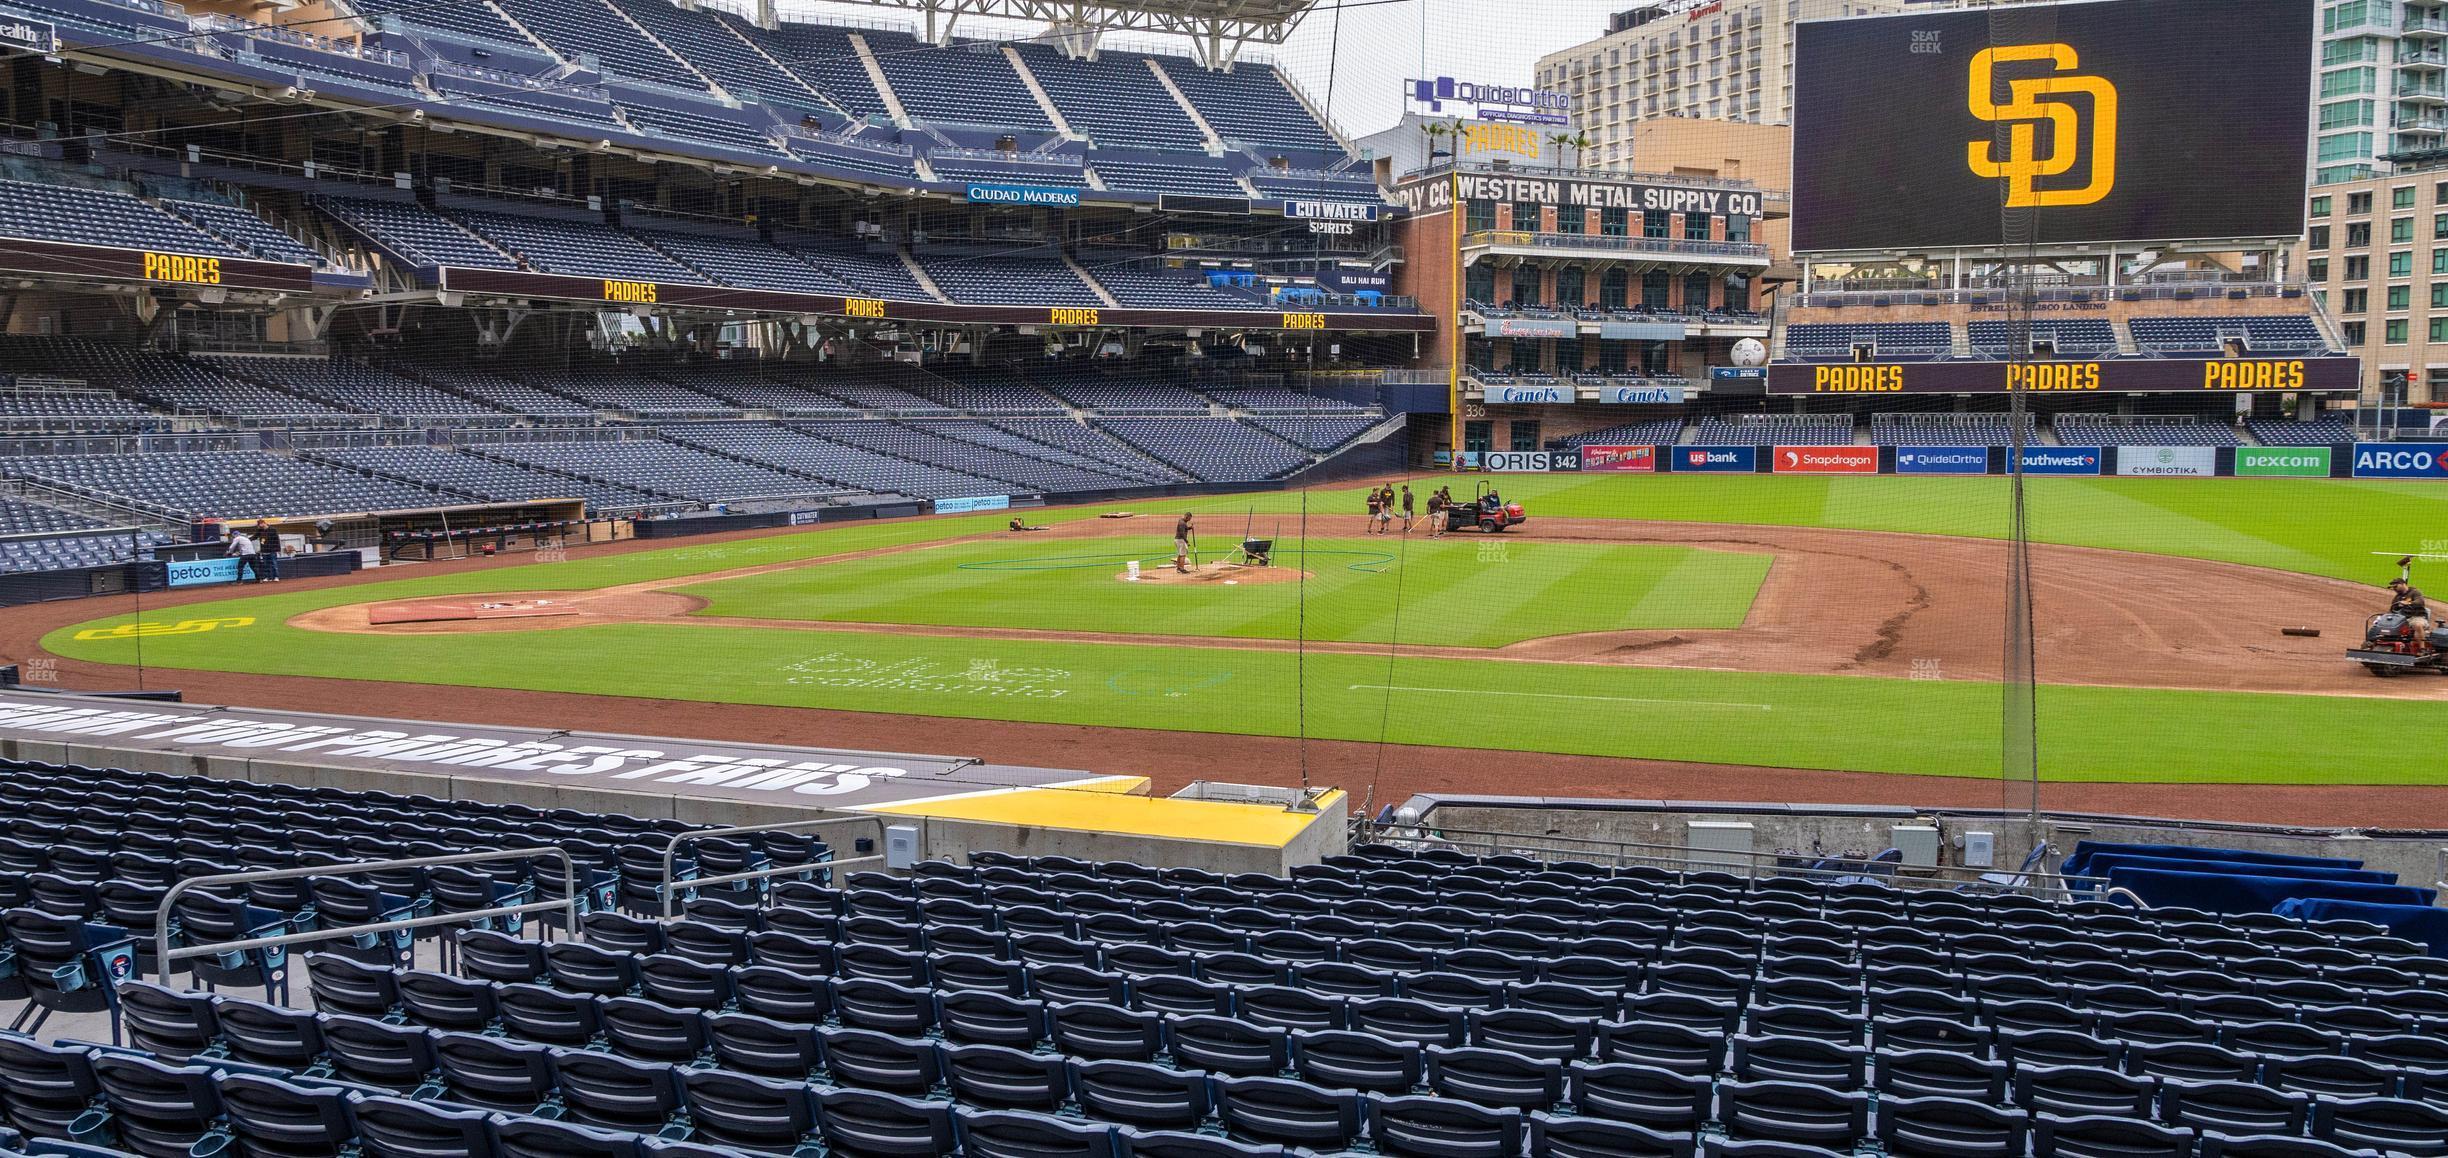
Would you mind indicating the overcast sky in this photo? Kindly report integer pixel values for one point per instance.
(1487, 41)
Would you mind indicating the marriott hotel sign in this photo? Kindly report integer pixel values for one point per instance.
(1434, 193)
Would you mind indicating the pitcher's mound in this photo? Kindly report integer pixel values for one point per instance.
(1204, 574)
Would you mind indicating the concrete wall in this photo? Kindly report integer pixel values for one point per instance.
(949, 839)
(1565, 829)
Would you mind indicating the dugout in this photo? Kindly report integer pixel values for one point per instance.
(452, 532)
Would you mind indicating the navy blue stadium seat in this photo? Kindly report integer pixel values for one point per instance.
(2106, 1137)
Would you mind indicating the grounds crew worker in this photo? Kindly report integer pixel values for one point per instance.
(2407, 601)
(1181, 544)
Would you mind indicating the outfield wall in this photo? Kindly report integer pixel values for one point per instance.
(2370, 460)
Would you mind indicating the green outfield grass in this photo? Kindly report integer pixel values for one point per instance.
(2318, 526)
(1903, 726)
(1459, 591)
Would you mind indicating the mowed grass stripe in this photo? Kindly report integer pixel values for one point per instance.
(1453, 592)
(1871, 725)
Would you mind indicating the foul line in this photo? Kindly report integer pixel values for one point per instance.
(1560, 696)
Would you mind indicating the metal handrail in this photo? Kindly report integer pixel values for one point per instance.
(670, 888)
(164, 954)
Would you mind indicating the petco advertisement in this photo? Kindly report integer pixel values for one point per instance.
(2401, 460)
(1640, 458)
(972, 503)
(2061, 460)
(198, 572)
(1717, 459)
(2167, 461)
(1516, 461)
(1826, 459)
(1942, 460)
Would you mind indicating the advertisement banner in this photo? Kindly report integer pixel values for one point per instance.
(972, 503)
(2283, 461)
(1641, 331)
(1533, 328)
(1641, 395)
(2167, 461)
(1714, 459)
(982, 193)
(2125, 376)
(2061, 460)
(1521, 395)
(1517, 461)
(1330, 210)
(201, 572)
(1738, 373)
(1640, 458)
(31, 36)
(2401, 460)
(1825, 460)
(1942, 460)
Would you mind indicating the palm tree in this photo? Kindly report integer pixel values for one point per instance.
(1578, 141)
(1437, 131)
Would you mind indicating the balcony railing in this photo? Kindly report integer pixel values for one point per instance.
(1523, 238)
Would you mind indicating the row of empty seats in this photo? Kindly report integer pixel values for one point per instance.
(2061, 337)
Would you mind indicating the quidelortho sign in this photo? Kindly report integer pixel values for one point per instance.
(1942, 460)
(2283, 461)
(2401, 460)
(2167, 461)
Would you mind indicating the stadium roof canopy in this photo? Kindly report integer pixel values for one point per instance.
(1219, 27)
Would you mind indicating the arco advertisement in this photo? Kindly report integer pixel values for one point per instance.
(2401, 460)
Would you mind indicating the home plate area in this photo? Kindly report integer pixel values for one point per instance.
(444, 610)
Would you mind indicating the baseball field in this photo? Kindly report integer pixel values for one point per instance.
(1781, 622)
